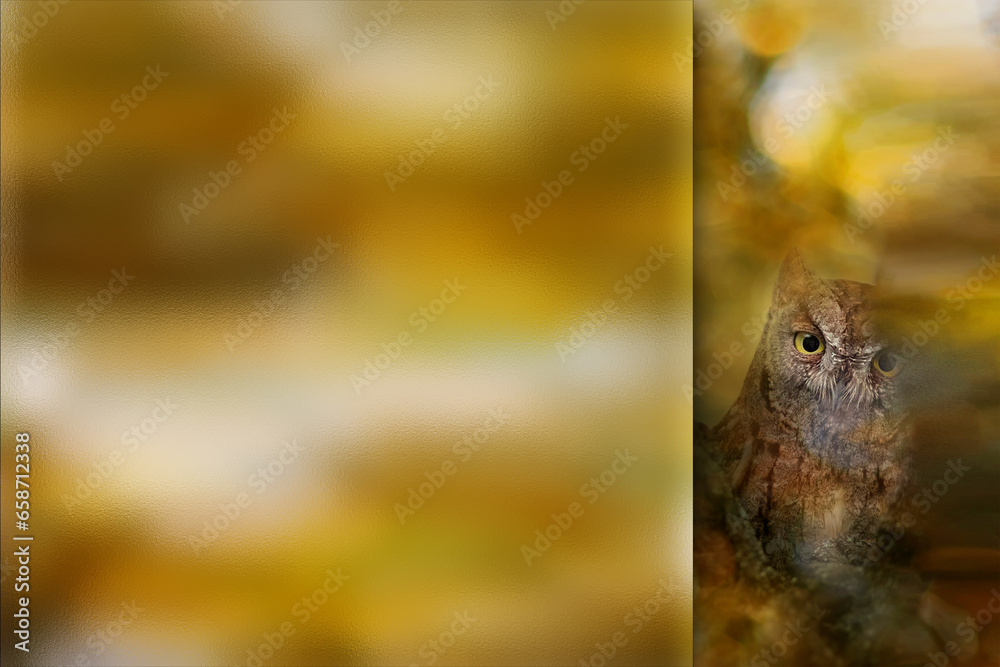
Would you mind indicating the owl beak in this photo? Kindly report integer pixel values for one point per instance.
(842, 379)
(838, 391)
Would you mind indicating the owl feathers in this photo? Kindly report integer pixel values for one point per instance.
(797, 482)
(815, 446)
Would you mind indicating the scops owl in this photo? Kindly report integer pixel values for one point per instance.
(815, 446)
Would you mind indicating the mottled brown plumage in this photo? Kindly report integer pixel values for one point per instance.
(814, 445)
(795, 484)
(794, 487)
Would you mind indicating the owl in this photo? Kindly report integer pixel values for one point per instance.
(795, 485)
(815, 446)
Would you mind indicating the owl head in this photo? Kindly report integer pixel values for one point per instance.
(821, 349)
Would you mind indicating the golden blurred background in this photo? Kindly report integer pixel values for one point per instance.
(348, 333)
(865, 134)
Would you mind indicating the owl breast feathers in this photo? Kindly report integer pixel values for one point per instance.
(814, 446)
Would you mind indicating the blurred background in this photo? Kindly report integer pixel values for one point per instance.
(220, 223)
(865, 134)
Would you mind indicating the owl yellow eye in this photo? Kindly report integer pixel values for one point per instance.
(887, 364)
(808, 343)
